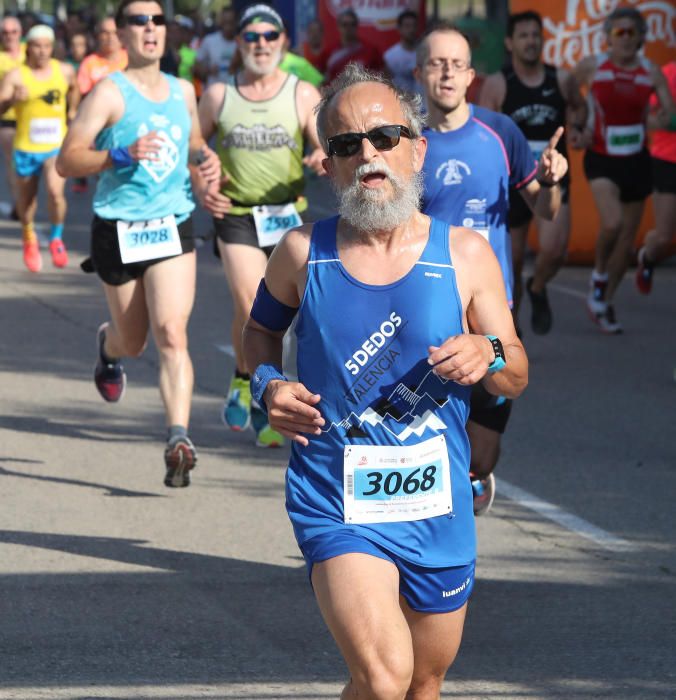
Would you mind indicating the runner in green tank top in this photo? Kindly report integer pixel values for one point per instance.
(262, 125)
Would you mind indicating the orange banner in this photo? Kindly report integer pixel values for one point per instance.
(573, 29)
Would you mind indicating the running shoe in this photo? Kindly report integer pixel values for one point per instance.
(31, 256)
(596, 300)
(644, 273)
(79, 185)
(483, 491)
(109, 377)
(179, 458)
(265, 435)
(237, 408)
(541, 313)
(59, 253)
(608, 323)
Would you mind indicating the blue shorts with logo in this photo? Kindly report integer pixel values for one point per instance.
(425, 589)
(27, 163)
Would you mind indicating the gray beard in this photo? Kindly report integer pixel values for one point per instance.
(367, 210)
(250, 64)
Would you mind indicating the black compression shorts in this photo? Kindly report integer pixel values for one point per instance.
(631, 174)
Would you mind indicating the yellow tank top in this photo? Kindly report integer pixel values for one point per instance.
(7, 63)
(41, 119)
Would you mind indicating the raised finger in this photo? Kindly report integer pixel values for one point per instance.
(556, 138)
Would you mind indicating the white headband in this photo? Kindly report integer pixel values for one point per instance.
(40, 31)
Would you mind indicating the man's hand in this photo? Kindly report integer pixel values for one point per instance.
(291, 410)
(552, 166)
(314, 161)
(146, 147)
(214, 200)
(579, 138)
(463, 359)
(20, 93)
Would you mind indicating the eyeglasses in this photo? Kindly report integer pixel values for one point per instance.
(382, 138)
(454, 66)
(255, 37)
(623, 31)
(144, 20)
(10, 31)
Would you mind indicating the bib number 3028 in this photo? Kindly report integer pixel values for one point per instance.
(148, 240)
(394, 484)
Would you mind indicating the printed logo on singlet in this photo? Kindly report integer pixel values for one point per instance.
(166, 159)
(535, 115)
(259, 137)
(409, 408)
(452, 171)
(51, 97)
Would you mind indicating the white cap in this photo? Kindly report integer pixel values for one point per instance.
(40, 31)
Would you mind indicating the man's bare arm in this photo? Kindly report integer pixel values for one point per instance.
(493, 91)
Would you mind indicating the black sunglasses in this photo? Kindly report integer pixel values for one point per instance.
(254, 37)
(383, 138)
(142, 20)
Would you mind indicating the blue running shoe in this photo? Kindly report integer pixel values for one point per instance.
(484, 493)
(265, 435)
(237, 408)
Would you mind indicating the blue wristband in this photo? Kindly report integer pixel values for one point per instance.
(121, 157)
(260, 379)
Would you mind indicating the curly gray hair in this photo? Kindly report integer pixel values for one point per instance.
(354, 74)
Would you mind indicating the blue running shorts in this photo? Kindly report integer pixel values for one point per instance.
(425, 589)
(27, 163)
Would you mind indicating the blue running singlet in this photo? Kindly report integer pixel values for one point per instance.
(468, 173)
(364, 348)
(147, 189)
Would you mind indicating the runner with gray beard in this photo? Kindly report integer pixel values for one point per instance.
(263, 123)
(398, 316)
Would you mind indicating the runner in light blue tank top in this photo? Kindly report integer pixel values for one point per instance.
(378, 389)
(151, 188)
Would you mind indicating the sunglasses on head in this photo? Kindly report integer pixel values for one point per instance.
(255, 37)
(623, 31)
(382, 138)
(143, 20)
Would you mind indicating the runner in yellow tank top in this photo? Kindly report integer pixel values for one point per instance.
(44, 93)
(262, 125)
(12, 55)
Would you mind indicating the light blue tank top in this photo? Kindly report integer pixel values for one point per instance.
(148, 189)
(364, 349)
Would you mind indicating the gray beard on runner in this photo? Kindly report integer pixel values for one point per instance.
(367, 210)
(250, 64)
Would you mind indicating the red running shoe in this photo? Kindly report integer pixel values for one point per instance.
(59, 253)
(644, 273)
(109, 377)
(179, 458)
(31, 256)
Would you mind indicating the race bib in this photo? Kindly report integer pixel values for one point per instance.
(45, 131)
(536, 148)
(148, 240)
(475, 216)
(624, 140)
(273, 221)
(396, 483)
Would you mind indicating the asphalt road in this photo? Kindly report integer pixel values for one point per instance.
(112, 586)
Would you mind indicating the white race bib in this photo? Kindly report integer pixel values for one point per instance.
(148, 240)
(273, 221)
(46, 130)
(536, 148)
(396, 483)
(625, 140)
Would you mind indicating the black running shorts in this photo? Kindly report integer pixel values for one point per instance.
(7, 123)
(490, 411)
(240, 229)
(631, 174)
(521, 214)
(664, 176)
(105, 257)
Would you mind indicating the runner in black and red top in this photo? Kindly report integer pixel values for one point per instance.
(617, 161)
(539, 98)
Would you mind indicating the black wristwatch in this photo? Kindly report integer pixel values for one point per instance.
(499, 361)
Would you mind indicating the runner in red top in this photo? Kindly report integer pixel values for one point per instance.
(352, 49)
(617, 162)
(663, 152)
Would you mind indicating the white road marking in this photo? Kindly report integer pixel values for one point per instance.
(226, 349)
(567, 290)
(561, 517)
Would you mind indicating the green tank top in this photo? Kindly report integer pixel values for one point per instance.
(260, 145)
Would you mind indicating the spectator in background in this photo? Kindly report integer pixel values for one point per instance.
(217, 49)
(400, 58)
(314, 49)
(299, 66)
(352, 49)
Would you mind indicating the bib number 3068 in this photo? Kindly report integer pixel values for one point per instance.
(393, 484)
